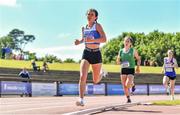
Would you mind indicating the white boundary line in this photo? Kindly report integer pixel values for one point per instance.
(93, 110)
(35, 108)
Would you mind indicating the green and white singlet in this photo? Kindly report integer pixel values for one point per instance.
(127, 58)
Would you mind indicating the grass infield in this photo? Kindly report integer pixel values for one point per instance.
(73, 66)
(167, 102)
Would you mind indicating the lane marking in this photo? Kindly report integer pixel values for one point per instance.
(92, 110)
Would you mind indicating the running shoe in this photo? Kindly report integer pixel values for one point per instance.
(103, 73)
(128, 100)
(133, 89)
(168, 90)
(172, 97)
(80, 103)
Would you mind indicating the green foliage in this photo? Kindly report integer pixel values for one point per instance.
(20, 39)
(153, 46)
(32, 56)
(6, 41)
(69, 60)
(110, 50)
(50, 59)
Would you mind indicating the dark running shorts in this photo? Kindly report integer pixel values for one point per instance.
(127, 71)
(172, 78)
(93, 56)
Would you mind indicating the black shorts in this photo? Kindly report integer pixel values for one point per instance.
(93, 56)
(172, 78)
(127, 71)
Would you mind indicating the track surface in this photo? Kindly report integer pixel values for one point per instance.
(66, 104)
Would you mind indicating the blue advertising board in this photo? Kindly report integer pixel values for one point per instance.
(141, 89)
(11, 87)
(157, 89)
(43, 89)
(160, 89)
(73, 89)
(0, 88)
(114, 89)
(68, 89)
(99, 89)
(93, 89)
(89, 89)
(177, 89)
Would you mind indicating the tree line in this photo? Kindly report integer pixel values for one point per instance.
(17, 40)
(152, 46)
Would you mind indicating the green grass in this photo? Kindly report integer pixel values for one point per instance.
(71, 66)
(167, 102)
(27, 64)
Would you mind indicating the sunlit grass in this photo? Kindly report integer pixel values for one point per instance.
(167, 102)
(72, 66)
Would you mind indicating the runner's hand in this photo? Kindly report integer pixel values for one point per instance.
(77, 42)
(117, 61)
(137, 69)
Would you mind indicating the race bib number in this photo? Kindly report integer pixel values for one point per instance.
(90, 37)
(169, 70)
(125, 64)
(168, 65)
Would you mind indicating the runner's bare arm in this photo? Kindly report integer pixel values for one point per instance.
(118, 59)
(175, 65)
(138, 58)
(77, 41)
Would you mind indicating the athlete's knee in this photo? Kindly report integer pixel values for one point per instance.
(172, 86)
(165, 84)
(95, 82)
(96, 79)
(129, 85)
(82, 78)
(82, 82)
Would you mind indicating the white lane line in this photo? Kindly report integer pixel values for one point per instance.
(35, 108)
(44, 102)
(34, 103)
(92, 110)
(15, 107)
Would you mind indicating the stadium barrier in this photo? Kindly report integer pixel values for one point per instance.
(40, 87)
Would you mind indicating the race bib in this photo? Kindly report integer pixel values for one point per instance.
(169, 70)
(168, 65)
(125, 64)
(91, 37)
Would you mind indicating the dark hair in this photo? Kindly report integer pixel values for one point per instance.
(93, 10)
(131, 40)
(129, 37)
